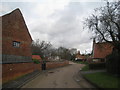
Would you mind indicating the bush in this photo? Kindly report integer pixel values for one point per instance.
(97, 66)
(36, 61)
(112, 63)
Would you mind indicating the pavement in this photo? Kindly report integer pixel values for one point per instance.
(21, 81)
(64, 77)
(92, 71)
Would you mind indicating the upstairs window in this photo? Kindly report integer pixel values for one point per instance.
(16, 44)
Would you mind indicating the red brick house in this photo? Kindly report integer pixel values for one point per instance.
(79, 56)
(101, 50)
(16, 39)
(16, 47)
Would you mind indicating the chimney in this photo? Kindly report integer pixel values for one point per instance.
(93, 47)
(78, 52)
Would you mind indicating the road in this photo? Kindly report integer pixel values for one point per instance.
(63, 77)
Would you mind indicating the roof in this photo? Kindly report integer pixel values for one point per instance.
(36, 57)
(80, 56)
(15, 17)
(101, 50)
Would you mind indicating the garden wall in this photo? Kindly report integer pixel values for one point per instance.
(13, 71)
(16, 70)
(50, 65)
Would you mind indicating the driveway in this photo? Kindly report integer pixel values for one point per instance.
(63, 77)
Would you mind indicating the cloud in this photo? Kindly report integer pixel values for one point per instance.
(19, 0)
(63, 27)
(57, 21)
(67, 28)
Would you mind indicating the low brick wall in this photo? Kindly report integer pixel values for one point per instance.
(0, 74)
(13, 71)
(50, 65)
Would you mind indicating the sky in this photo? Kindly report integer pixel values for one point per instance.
(57, 21)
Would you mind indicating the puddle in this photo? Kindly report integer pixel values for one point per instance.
(77, 80)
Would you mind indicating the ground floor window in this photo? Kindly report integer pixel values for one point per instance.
(16, 44)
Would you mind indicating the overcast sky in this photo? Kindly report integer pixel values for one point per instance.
(57, 21)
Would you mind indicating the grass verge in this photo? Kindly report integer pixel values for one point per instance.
(103, 79)
(80, 62)
(85, 68)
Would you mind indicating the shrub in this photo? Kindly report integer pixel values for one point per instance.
(36, 61)
(97, 65)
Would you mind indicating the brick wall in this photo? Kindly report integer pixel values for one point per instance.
(50, 65)
(13, 71)
(101, 50)
(0, 74)
(15, 29)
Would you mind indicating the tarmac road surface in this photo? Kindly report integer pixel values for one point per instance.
(63, 77)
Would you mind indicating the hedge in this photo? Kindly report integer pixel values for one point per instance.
(112, 63)
(36, 61)
(94, 66)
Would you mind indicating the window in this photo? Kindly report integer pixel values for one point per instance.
(16, 44)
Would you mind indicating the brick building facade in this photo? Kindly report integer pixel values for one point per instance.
(101, 50)
(16, 49)
(16, 40)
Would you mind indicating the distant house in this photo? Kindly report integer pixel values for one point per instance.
(54, 58)
(79, 57)
(37, 57)
(16, 39)
(101, 50)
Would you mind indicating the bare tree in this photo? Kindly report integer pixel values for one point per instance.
(105, 23)
(41, 48)
(64, 53)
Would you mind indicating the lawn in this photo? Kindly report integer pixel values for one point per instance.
(85, 68)
(103, 79)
